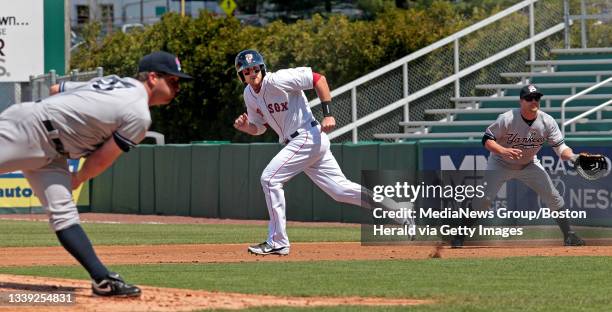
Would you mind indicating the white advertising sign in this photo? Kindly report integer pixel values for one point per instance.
(21, 40)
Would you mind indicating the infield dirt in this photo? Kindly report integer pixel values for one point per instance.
(165, 299)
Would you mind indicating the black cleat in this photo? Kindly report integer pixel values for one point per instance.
(113, 285)
(572, 239)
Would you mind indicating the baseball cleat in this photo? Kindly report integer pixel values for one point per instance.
(572, 239)
(113, 285)
(265, 249)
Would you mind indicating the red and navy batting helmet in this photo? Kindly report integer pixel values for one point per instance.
(249, 58)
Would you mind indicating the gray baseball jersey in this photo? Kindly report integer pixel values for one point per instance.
(281, 102)
(88, 114)
(512, 131)
(83, 117)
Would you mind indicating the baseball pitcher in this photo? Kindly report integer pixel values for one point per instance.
(98, 120)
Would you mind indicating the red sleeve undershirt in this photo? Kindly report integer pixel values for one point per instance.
(315, 78)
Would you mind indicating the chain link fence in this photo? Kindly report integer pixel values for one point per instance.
(38, 86)
(592, 23)
(509, 32)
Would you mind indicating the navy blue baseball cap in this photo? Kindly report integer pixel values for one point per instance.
(530, 90)
(162, 62)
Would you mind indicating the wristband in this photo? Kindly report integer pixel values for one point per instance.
(325, 106)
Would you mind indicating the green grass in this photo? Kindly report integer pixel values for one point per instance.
(28, 234)
(511, 284)
(25, 234)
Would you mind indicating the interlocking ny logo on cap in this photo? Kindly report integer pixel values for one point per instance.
(532, 89)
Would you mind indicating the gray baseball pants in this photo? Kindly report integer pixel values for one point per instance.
(533, 175)
(24, 146)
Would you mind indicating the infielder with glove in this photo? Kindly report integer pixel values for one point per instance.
(277, 100)
(514, 140)
(98, 120)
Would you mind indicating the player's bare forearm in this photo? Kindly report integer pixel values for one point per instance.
(243, 124)
(506, 152)
(250, 129)
(567, 154)
(97, 162)
(322, 89)
(493, 147)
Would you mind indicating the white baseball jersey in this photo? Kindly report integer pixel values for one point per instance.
(281, 102)
(512, 131)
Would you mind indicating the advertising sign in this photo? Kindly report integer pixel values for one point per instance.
(21, 40)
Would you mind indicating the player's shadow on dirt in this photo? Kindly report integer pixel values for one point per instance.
(37, 288)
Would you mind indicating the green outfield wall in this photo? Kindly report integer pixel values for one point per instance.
(223, 180)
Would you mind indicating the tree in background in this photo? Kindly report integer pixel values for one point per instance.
(335, 46)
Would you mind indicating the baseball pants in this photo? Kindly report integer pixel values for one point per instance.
(24, 148)
(310, 153)
(533, 175)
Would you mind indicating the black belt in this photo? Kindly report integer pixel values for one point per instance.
(313, 123)
(54, 136)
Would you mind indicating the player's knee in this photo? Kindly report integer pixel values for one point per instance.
(62, 214)
(268, 182)
(345, 195)
(555, 201)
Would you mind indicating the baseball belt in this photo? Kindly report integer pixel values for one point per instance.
(54, 136)
(313, 123)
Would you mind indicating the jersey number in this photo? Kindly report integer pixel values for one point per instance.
(106, 84)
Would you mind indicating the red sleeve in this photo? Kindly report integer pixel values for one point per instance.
(315, 78)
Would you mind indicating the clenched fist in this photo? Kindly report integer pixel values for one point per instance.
(242, 122)
(328, 124)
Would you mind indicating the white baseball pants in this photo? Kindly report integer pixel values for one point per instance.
(308, 152)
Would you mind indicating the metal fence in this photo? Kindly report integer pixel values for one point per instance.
(588, 23)
(38, 86)
(451, 67)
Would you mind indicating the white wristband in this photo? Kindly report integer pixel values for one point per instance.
(559, 149)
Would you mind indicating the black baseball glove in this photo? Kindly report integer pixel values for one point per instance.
(590, 166)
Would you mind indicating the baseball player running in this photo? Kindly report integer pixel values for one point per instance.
(98, 120)
(277, 100)
(514, 140)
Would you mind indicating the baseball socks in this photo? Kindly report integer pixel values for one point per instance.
(76, 242)
(563, 225)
